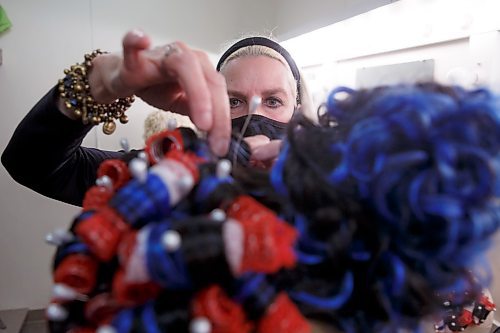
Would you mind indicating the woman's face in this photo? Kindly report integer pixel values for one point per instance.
(264, 77)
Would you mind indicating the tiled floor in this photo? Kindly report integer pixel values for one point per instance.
(35, 322)
(494, 258)
(23, 321)
(13, 320)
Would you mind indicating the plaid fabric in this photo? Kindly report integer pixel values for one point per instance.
(137, 202)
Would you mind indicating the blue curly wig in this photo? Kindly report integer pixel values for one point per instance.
(398, 193)
(369, 221)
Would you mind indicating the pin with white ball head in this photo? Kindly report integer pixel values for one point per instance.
(125, 145)
(63, 292)
(143, 156)
(104, 181)
(106, 329)
(171, 240)
(218, 215)
(171, 124)
(139, 169)
(223, 169)
(185, 182)
(56, 312)
(255, 102)
(200, 325)
(59, 237)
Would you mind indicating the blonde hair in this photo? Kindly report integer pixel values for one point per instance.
(261, 50)
(157, 121)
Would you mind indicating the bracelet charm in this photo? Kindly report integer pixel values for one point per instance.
(74, 89)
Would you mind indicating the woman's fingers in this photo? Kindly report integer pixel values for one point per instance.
(134, 42)
(182, 65)
(265, 156)
(181, 79)
(220, 133)
(256, 141)
(205, 94)
(264, 151)
(123, 75)
(267, 151)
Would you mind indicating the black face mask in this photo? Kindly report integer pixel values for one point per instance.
(258, 124)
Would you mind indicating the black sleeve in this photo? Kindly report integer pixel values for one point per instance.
(44, 153)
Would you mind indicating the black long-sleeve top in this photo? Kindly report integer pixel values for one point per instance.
(45, 153)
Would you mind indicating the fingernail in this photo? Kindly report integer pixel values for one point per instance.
(219, 146)
(204, 117)
(138, 33)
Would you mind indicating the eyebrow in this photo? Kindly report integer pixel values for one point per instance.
(268, 92)
(236, 94)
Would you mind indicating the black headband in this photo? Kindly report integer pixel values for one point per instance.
(250, 41)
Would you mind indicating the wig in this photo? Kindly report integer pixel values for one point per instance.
(369, 221)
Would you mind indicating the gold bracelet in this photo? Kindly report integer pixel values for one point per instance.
(74, 89)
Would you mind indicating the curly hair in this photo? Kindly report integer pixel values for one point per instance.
(368, 221)
(399, 189)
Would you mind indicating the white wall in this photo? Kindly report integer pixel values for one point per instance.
(458, 61)
(46, 37)
(460, 35)
(33, 53)
(296, 17)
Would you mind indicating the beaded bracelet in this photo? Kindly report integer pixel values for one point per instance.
(74, 89)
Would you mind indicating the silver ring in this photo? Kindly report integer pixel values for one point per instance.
(170, 49)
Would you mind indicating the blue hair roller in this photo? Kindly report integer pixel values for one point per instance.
(73, 248)
(208, 185)
(123, 321)
(166, 268)
(149, 320)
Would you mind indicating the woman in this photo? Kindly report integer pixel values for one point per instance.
(172, 77)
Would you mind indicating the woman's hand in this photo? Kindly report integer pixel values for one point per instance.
(264, 151)
(173, 77)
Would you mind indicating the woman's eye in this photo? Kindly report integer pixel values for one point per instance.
(273, 102)
(234, 103)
